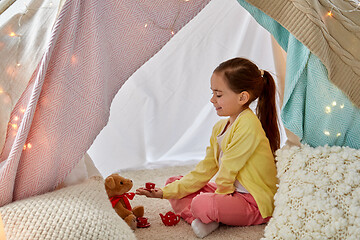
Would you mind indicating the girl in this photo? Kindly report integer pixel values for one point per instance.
(241, 153)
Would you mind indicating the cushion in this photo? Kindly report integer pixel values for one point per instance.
(81, 211)
(318, 195)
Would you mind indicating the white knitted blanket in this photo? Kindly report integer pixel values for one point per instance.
(81, 211)
(318, 195)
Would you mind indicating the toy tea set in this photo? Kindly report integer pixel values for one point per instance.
(169, 219)
(117, 188)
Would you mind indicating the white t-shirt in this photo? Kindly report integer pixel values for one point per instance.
(238, 186)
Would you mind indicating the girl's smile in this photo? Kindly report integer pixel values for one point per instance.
(225, 100)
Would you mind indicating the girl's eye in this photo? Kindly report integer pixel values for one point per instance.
(216, 95)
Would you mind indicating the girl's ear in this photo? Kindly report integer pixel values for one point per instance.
(244, 97)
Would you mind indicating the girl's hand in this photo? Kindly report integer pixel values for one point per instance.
(152, 193)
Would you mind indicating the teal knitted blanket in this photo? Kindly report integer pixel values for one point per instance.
(313, 108)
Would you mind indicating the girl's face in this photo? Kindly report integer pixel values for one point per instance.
(225, 100)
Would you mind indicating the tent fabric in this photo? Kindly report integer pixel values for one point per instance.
(333, 38)
(68, 97)
(162, 115)
(24, 34)
(314, 108)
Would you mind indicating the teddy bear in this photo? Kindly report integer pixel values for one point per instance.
(117, 188)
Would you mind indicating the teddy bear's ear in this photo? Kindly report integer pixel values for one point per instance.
(110, 182)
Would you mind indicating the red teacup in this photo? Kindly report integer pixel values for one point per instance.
(142, 222)
(149, 185)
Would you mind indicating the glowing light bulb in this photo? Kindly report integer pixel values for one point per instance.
(73, 59)
(333, 103)
(22, 110)
(330, 14)
(327, 109)
(342, 106)
(18, 64)
(146, 25)
(12, 34)
(24, 148)
(172, 32)
(10, 70)
(29, 145)
(327, 133)
(14, 126)
(338, 134)
(16, 118)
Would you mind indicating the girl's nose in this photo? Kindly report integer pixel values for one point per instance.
(212, 99)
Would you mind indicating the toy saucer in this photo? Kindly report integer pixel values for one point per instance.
(139, 225)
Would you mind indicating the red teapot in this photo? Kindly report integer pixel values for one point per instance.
(170, 218)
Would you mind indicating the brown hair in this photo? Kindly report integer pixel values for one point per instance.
(243, 75)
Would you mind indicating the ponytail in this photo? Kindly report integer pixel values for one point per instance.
(266, 111)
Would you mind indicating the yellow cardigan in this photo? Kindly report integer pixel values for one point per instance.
(247, 157)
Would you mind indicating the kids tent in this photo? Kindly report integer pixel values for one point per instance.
(61, 76)
(90, 51)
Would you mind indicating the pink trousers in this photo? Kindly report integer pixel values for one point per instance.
(237, 209)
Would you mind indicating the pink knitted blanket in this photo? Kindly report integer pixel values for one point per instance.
(95, 47)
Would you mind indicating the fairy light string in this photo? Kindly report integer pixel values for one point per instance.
(172, 26)
(354, 6)
(329, 109)
(13, 69)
